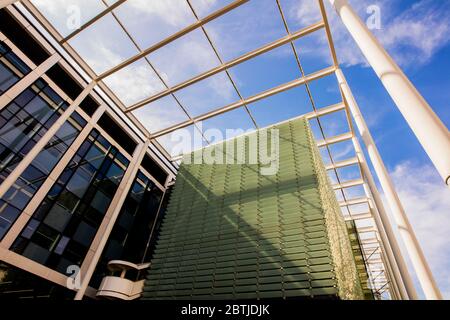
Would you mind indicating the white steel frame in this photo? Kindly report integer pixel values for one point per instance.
(385, 264)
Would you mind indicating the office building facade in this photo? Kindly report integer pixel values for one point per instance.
(79, 186)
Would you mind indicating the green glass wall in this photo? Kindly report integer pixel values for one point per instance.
(232, 233)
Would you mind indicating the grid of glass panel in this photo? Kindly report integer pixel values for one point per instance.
(131, 233)
(24, 121)
(25, 187)
(12, 69)
(64, 225)
(247, 26)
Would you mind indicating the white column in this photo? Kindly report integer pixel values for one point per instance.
(429, 129)
(5, 3)
(390, 262)
(102, 236)
(393, 285)
(388, 239)
(415, 253)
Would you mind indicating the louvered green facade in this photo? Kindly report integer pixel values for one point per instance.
(359, 260)
(232, 233)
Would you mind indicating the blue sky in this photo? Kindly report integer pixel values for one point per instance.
(426, 199)
(415, 33)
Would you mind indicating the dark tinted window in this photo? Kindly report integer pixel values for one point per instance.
(64, 81)
(89, 105)
(64, 225)
(24, 121)
(21, 38)
(12, 69)
(117, 133)
(31, 179)
(154, 169)
(131, 233)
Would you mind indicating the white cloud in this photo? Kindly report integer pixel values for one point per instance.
(59, 11)
(135, 83)
(203, 7)
(185, 58)
(412, 36)
(427, 203)
(173, 12)
(248, 27)
(103, 59)
(160, 114)
(103, 45)
(418, 33)
(209, 94)
(306, 11)
(342, 150)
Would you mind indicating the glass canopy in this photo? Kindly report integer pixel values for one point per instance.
(200, 64)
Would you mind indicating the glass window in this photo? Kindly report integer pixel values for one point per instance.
(45, 236)
(23, 190)
(80, 181)
(114, 249)
(106, 185)
(132, 231)
(16, 283)
(27, 95)
(36, 253)
(38, 109)
(92, 215)
(63, 264)
(8, 214)
(12, 69)
(24, 121)
(30, 229)
(101, 201)
(58, 217)
(95, 155)
(74, 208)
(84, 234)
(74, 252)
(115, 173)
(62, 245)
(7, 78)
(68, 200)
(18, 195)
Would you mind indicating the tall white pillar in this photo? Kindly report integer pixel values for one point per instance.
(426, 125)
(400, 271)
(397, 283)
(412, 245)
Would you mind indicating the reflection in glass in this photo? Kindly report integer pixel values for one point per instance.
(24, 121)
(18, 137)
(73, 209)
(130, 236)
(12, 69)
